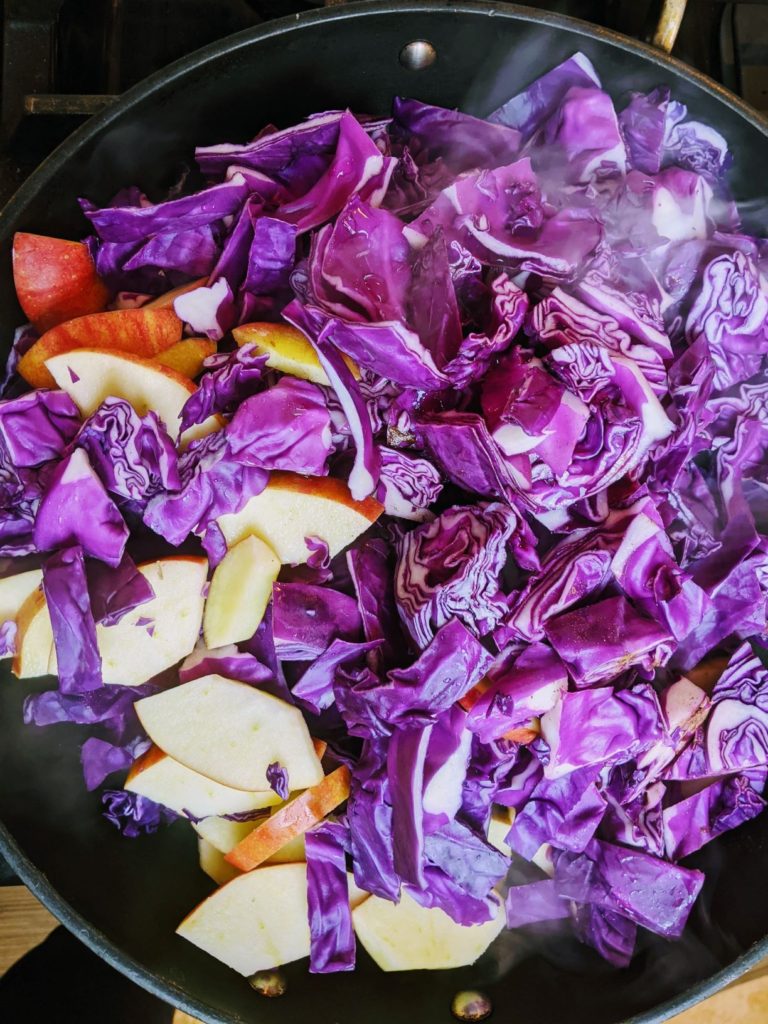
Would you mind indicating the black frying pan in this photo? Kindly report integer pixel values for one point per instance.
(124, 898)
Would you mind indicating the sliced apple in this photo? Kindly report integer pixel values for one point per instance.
(167, 782)
(502, 820)
(291, 820)
(140, 332)
(89, 375)
(187, 357)
(288, 350)
(292, 508)
(14, 591)
(212, 862)
(240, 591)
(35, 654)
(256, 922)
(223, 833)
(292, 851)
(55, 280)
(407, 937)
(167, 299)
(231, 732)
(156, 635)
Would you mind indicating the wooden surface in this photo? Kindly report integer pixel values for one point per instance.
(24, 923)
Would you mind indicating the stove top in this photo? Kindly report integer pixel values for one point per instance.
(63, 60)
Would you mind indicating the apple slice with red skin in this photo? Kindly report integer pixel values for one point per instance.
(292, 820)
(55, 280)
(292, 508)
(141, 332)
(287, 350)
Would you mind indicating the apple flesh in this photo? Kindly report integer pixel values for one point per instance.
(14, 591)
(187, 357)
(407, 937)
(502, 819)
(35, 654)
(55, 280)
(231, 732)
(291, 821)
(167, 782)
(224, 835)
(213, 864)
(292, 508)
(256, 922)
(287, 350)
(240, 591)
(140, 332)
(156, 635)
(90, 375)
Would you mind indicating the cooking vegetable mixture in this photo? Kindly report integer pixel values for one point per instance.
(458, 427)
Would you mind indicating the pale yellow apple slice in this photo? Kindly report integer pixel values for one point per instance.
(288, 350)
(14, 591)
(255, 922)
(223, 833)
(213, 864)
(502, 820)
(240, 592)
(90, 375)
(167, 782)
(158, 634)
(231, 732)
(35, 654)
(292, 508)
(407, 937)
(186, 357)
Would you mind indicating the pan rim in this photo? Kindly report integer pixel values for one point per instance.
(32, 876)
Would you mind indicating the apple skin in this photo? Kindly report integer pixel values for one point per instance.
(142, 332)
(407, 937)
(187, 356)
(240, 590)
(293, 507)
(256, 922)
(287, 350)
(291, 821)
(55, 280)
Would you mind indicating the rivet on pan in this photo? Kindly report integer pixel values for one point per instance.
(471, 1006)
(268, 983)
(418, 55)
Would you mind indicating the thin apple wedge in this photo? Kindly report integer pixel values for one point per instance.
(501, 821)
(405, 936)
(291, 821)
(35, 654)
(139, 332)
(55, 280)
(187, 357)
(167, 299)
(167, 782)
(292, 508)
(89, 375)
(287, 350)
(156, 635)
(240, 591)
(14, 591)
(223, 833)
(212, 862)
(256, 922)
(231, 732)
